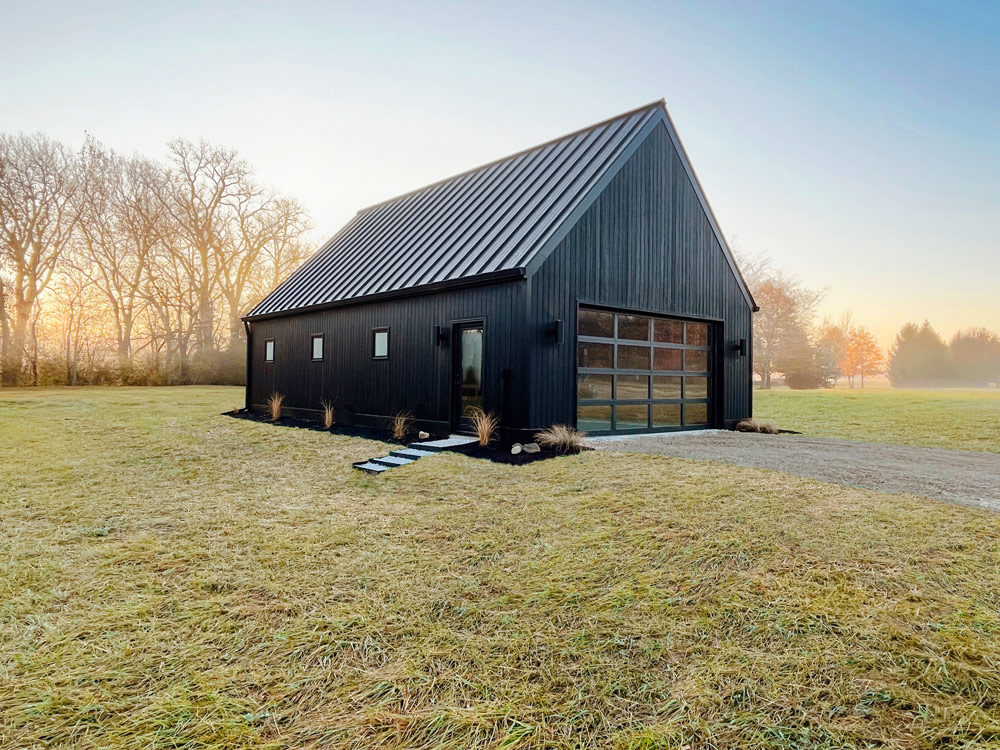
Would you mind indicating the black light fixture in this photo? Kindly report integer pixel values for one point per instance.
(440, 335)
(742, 347)
(556, 330)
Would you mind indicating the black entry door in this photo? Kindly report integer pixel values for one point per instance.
(467, 373)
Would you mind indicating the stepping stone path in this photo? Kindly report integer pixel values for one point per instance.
(411, 453)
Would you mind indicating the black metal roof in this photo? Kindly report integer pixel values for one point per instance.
(485, 224)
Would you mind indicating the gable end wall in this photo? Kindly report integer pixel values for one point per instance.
(644, 244)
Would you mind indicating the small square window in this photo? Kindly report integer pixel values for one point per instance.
(269, 350)
(317, 347)
(380, 344)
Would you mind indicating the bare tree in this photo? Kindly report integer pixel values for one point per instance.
(208, 184)
(265, 242)
(143, 268)
(122, 224)
(39, 185)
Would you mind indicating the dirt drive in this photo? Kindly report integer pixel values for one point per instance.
(964, 477)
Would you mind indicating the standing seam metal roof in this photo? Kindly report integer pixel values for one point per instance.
(491, 219)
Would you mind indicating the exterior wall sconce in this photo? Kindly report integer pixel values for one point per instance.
(440, 335)
(556, 330)
(741, 347)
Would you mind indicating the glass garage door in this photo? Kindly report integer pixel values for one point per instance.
(642, 372)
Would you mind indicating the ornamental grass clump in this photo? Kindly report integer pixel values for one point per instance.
(327, 413)
(275, 404)
(401, 424)
(561, 437)
(484, 424)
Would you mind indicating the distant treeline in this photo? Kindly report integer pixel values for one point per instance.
(789, 344)
(123, 269)
(919, 357)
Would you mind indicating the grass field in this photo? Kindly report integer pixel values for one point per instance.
(175, 578)
(965, 419)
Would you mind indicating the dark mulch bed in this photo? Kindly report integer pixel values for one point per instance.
(383, 434)
(496, 452)
(500, 453)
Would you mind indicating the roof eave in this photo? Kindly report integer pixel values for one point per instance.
(484, 279)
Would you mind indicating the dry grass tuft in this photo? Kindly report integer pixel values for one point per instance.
(483, 423)
(401, 424)
(562, 437)
(757, 425)
(327, 412)
(275, 405)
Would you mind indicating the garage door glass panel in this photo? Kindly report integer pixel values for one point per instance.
(695, 387)
(633, 327)
(594, 386)
(632, 386)
(638, 372)
(668, 359)
(695, 361)
(593, 418)
(697, 334)
(633, 357)
(666, 415)
(695, 414)
(596, 323)
(631, 417)
(596, 355)
(666, 386)
(668, 331)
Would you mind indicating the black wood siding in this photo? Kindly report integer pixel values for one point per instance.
(416, 374)
(644, 244)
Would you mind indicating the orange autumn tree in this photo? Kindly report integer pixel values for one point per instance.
(862, 355)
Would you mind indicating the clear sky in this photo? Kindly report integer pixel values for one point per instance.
(857, 144)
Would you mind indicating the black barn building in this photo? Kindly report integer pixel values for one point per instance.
(584, 281)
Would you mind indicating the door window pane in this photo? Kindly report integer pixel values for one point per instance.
(593, 418)
(666, 415)
(631, 417)
(695, 361)
(633, 357)
(472, 369)
(666, 386)
(695, 387)
(632, 386)
(633, 327)
(596, 323)
(594, 386)
(695, 414)
(697, 334)
(596, 355)
(667, 359)
(668, 331)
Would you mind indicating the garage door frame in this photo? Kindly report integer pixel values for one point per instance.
(713, 348)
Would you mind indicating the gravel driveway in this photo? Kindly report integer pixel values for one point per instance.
(963, 477)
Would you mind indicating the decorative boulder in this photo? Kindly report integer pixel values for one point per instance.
(423, 435)
(516, 448)
(531, 448)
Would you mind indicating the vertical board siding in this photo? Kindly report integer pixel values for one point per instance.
(416, 375)
(644, 244)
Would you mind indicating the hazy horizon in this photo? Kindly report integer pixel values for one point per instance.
(855, 146)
